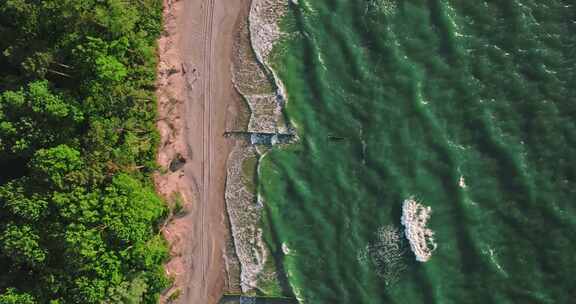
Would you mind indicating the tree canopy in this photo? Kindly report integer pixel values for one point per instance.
(78, 211)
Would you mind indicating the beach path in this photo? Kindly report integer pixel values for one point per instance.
(198, 45)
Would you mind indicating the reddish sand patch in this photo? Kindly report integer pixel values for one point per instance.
(196, 105)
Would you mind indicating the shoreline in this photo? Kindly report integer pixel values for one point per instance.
(209, 73)
(265, 96)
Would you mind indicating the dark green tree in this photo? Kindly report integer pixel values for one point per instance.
(11, 296)
(16, 199)
(21, 244)
(34, 118)
(57, 166)
(129, 209)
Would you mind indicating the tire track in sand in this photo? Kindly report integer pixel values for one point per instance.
(206, 130)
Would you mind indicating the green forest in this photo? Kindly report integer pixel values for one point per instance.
(79, 216)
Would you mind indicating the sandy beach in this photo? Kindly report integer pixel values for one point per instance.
(196, 105)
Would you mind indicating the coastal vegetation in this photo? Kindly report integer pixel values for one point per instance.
(78, 212)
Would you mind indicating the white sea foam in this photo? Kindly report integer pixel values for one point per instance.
(385, 255)
(414, 218)
(285, 249)
(462, 182)
(494, 260)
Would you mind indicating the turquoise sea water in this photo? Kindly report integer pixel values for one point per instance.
(425, 94)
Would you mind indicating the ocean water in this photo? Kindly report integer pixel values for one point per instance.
(468, 106)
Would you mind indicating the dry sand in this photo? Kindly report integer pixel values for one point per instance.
(196, 105)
